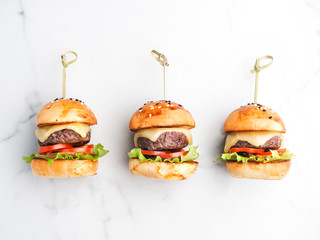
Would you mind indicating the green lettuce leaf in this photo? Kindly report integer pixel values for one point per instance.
(50, 161)
(28, 159)
(190, 156)
(98, 151)
(275, 156)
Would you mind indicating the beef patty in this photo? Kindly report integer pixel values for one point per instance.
(66, 136)
(272, 143)
(166, 141)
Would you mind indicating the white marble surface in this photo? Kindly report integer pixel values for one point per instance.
(211, 47)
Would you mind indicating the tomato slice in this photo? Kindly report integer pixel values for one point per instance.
(282, 150)
(248, 150)
(166, 154)
(77, 150)
(88, 146)
(174, 154)
(153, 153)
(51, 148)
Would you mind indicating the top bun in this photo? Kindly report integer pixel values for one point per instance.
(66, 110)
(161, 114)
(254, 117)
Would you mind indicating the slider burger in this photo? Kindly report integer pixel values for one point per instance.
(162, 131)
(254, 145)
(63, 134)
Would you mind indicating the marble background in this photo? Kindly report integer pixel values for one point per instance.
(211, 47)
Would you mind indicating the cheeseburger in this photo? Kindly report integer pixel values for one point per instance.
(254, 146)
(63, 135)
(162, 131)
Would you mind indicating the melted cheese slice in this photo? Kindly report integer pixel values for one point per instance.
(44, 132)
(255, 138)
(154, 133)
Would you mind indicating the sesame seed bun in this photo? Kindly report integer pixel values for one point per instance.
(64, 111)
(162, 170)
(254, 170)
(64, 168)
(161, 114)
(254, 117)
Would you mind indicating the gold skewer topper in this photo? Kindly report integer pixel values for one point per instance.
(257, 69)
(161, 58)
(65, 64)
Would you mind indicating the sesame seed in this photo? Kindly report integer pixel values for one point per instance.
(150, 114)
(270, 117)
(264, 110)
(159, 106)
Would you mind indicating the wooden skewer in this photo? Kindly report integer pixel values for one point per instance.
(161, 58)
(65, 64)
(257, 69)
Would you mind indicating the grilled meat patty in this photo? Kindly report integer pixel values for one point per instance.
(272, 143)
(166, 141)
(66, 136)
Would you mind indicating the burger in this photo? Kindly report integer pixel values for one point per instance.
(162, 131)
(254, 145)
(63, 135)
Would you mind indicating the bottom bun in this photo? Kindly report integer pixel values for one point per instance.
(254, 170)
(162, 170)
(64, 168)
